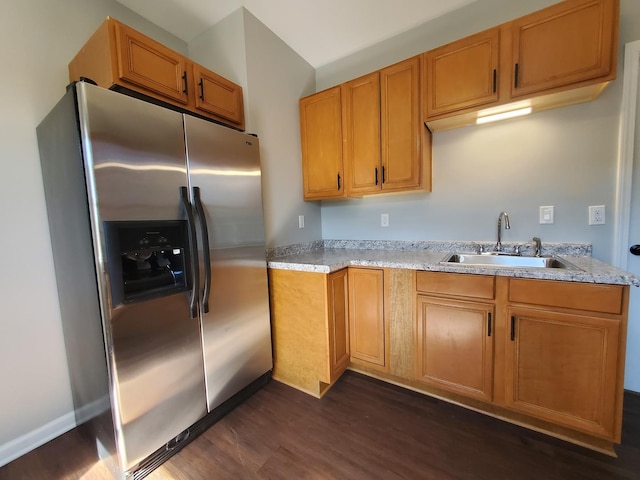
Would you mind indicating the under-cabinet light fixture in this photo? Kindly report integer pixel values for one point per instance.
(503, 115)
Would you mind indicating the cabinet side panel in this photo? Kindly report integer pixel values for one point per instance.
(299, 329)
(94, 60)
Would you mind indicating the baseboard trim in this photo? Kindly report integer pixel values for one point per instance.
(56, 427)
(35, 438)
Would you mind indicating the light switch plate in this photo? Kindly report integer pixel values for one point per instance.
(300, 221)
(546, 214)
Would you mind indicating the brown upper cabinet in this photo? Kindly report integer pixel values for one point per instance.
(566, 44)
(217, 96)
(119, 57)
(381, 130)
(462, 74)
(321, 132)
(365, 136)
(561, 55)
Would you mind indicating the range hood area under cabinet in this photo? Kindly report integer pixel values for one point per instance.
(120, 58)
(561, 55)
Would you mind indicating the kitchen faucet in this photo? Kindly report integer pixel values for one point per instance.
(538, 243)
(507, 226)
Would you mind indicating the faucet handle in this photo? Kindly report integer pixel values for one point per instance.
(516, 250)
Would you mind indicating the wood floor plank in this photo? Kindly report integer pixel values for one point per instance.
(362, 429)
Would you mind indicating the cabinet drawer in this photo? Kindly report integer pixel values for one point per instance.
(458, 284)
(579, 296)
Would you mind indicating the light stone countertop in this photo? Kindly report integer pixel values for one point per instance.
(322, 257)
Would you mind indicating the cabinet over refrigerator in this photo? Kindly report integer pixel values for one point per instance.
(158, 243)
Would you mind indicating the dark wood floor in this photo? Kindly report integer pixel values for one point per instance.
(362, 429)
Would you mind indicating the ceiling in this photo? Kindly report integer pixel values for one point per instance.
(320, 31)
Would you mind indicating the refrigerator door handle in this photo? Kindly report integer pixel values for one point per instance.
(193, 246)
(205, 249)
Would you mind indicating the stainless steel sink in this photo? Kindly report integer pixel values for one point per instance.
(517, 261)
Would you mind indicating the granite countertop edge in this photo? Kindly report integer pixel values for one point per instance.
(329, 256)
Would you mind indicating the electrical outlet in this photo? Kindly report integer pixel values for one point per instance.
(546, 215)
(300, 221)
(596, 215)
(384, 219)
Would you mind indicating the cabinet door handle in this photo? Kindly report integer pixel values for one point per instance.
(184, 82)
(495, 80)
(513, 328)
(338, 181)
(383, 176)
(201, 84)
(515, 83)
(376, 175)
(488, 324)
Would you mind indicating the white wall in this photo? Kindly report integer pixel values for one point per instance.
(275, 77)
(39, 38)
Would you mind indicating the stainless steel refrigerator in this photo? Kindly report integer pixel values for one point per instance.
(158, 242)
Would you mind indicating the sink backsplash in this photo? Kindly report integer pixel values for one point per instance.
(526, 248)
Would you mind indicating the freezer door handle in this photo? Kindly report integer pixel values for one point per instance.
(195, 286)
(205, 249)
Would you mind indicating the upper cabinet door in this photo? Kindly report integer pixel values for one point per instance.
(217, 95)
(564, 44)
(150, 64)
(361, 130)
(463, 74)
(401, 126)
(321, 138)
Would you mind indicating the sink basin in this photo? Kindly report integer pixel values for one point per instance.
(489, 260)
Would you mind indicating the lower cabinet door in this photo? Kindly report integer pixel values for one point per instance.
(366, 317)
(562, 368)
(338, 311)
(455, 346)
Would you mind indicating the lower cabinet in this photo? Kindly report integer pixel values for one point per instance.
(456, 332)
(544, 354)
(367, 327)
(563, 365)
(455, 346)
(309, 328)
(338, 315)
